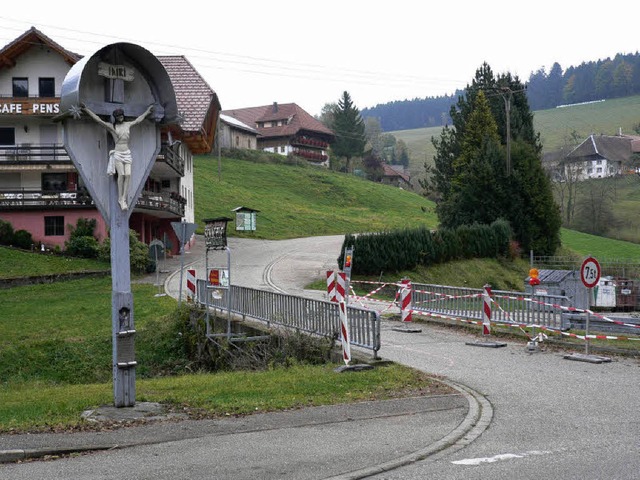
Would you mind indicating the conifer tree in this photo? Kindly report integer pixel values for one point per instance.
(470, 175)
(349, 129)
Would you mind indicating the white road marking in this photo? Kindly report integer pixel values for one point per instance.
(499, 458)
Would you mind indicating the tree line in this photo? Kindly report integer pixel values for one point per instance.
(589, 81)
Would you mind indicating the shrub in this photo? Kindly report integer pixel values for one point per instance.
(85, 247)
(140, 262)
(6, 233)
(81, 241)
(22, 239)
(399, 250)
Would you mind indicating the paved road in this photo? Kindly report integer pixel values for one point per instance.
(554, 418)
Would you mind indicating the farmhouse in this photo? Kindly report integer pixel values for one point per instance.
(287, 129)
(601, 156)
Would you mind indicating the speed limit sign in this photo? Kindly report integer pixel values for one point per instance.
(590, 272)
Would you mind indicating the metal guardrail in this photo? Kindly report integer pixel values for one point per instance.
(304, 314)
(508, 307)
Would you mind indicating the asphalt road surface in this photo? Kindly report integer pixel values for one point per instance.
(553, 418)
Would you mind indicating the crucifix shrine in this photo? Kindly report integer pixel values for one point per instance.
(114, 103)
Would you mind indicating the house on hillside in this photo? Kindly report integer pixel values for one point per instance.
(235, 134)
(395, 175)
(601, 156)
(40, 188)
(287, 129)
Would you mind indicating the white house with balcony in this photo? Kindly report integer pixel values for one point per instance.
(40, 189)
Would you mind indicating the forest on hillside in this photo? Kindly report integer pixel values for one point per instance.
(590, 81)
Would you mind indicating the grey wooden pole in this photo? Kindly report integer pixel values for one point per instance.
(123, 327)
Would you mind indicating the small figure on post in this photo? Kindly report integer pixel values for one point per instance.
(120, 157)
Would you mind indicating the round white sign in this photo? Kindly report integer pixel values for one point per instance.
(590, 272)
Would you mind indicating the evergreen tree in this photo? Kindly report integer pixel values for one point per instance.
(349, 129)
(470, 174)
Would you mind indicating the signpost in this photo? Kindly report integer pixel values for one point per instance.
(590, 275)
(183, 231)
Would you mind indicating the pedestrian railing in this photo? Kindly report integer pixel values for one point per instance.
(316, 317)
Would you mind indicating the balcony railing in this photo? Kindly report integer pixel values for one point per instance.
(310, 155)
(49, 153)
(310, 142)
(26, 153)
(171, 157)
(36, 199)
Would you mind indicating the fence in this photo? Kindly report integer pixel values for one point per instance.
(307, 315)
(509, 307)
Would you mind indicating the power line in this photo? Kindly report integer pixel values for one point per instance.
(212, 59)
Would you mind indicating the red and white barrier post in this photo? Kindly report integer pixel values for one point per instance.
(191, 285)
(405, 300)
(486, 310)
(331, 285)
(344, 332)
(341, 287)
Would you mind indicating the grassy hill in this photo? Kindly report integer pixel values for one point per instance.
(303, 200)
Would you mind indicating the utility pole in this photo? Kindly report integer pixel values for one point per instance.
(507, 94)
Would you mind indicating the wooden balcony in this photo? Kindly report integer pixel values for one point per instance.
(169, 162)
(170, 156)
(162, 204)
(28, 153)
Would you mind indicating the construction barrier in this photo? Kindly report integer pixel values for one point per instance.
(405, 300)
(344, 333)
(191, 285)
(341, 287)
(520, 310)
(486, 310)
(331, 286)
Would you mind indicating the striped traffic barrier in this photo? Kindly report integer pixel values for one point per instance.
(331, 285)
(191, 285)
(486, 310)
(405, 300)
(341, 287)
(344, 330)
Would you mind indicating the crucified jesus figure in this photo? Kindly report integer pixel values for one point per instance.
(120, 157)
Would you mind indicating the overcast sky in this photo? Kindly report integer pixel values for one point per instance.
(256, 52)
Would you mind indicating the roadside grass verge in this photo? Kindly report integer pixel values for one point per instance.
(18, 263)
(43, 406)
(55, 362)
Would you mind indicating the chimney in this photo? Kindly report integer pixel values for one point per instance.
(275, 107)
